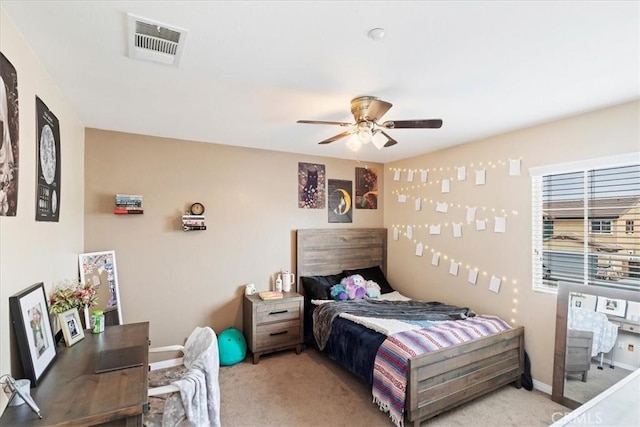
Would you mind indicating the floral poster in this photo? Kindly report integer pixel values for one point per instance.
(311, 186)
(340, 205)
(48, 161)
(9, 133)
(366, 188)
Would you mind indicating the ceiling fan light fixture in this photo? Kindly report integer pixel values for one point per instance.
(365, 134)
(354, 143)
(379, 140)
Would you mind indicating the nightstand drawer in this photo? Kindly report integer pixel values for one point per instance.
(277, 335)
(278, 312)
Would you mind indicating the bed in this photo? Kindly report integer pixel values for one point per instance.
(436, 381)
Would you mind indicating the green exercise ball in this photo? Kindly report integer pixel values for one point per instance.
(232, 347)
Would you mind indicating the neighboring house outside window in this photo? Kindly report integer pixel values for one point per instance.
(628, 228)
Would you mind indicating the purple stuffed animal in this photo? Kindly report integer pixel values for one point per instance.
(355, 286)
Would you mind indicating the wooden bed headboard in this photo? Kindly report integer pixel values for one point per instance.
(325, 251)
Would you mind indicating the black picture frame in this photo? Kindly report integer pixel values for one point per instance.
(30, 318)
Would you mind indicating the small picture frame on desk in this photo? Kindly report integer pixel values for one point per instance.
(30, 318)
(71, 326)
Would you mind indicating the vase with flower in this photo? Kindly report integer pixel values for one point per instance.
(73, 294)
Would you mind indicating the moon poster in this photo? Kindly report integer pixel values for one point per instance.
(311, 186)
(366, 188)
(340, 206)
(48, 161)
(9, 133)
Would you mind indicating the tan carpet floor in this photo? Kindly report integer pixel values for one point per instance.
(309, 389)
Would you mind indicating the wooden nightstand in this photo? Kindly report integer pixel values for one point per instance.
(273, 325)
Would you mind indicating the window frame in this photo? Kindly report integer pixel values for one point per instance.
(539, 226)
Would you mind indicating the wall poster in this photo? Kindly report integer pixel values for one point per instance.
(99, 269)
(366, 188)
(48, 161)
(9, 133)
(340, 205)
(311, 186)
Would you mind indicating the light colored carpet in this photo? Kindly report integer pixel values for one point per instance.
(286, 389)
(309, 389)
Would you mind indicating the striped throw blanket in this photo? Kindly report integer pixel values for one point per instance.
(390, 367)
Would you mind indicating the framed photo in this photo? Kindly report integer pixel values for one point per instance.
(71, 326)
(614, 307)
(578, 301)
(30, 317)
(99, 269)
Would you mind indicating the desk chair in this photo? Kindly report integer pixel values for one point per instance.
(192, 389)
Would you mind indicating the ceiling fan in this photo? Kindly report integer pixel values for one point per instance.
(367, 111)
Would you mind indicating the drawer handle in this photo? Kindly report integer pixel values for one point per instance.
(278, 333)
(277, 312)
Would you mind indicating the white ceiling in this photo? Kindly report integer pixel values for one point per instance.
(251, 69)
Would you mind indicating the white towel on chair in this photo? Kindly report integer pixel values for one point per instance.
(199, 387)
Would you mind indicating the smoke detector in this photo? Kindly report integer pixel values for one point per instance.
(154, 41)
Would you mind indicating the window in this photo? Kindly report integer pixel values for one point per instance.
(601, 226)
(582, 225)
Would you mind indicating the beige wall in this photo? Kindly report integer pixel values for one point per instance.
(31, 251)
(607, 132)
(178, 280)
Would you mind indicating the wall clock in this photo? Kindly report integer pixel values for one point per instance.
(197, 208)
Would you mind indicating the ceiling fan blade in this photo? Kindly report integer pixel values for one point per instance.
(377, 108)
(337, 137)
(322, 122)
(390, 141)
(413, 124)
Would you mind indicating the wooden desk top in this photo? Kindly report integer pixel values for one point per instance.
(71, 394)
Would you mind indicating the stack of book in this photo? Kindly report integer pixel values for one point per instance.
(128, 204)
(267, 295)
(193, 222)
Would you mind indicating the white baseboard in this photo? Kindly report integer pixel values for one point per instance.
(540, 386)
(546, 388)
(607, 362)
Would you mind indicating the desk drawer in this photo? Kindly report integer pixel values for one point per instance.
(276, 335)
(278, 312)
(629, 327)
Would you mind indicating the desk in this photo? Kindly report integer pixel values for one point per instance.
(70, 393)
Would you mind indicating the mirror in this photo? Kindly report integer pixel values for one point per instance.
(588, 319)
(99, 269)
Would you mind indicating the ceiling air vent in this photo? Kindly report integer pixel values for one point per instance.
(154, 41)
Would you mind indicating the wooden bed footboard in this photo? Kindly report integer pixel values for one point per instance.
(441, 380)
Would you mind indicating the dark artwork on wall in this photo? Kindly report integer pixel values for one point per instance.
(340, 206)
(311, 186)
(9, 133)
(366, 188)
(48, 161)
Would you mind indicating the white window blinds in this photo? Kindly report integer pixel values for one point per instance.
(584, 227)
